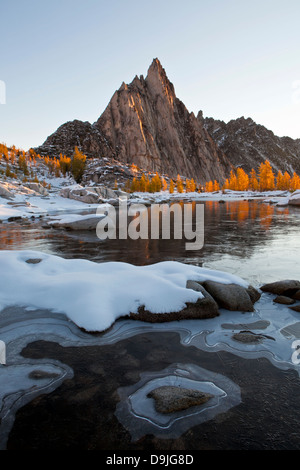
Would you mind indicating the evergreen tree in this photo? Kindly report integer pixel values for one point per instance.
(171, 187)
(78, 165)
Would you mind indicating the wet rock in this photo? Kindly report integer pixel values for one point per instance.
(33, 260)
(249, 337)
(42, 374)
(230, 296)
(282, 299)
(287, 287)
(169, 399)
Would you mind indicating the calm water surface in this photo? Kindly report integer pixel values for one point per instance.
(258, 241)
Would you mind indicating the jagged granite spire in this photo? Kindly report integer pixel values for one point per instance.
(146, 124)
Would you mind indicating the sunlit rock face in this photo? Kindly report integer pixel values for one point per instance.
(146, 124)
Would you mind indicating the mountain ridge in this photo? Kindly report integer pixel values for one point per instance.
(146, 124)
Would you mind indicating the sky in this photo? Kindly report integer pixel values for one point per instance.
(63, 59)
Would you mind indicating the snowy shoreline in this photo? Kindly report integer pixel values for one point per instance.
(20, 201)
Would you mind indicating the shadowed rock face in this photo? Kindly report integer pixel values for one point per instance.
(146, 124)
(247, 144)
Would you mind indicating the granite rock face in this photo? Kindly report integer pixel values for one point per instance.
(146, 124)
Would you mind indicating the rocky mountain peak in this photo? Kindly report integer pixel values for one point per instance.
(158, 82)
(146, 124)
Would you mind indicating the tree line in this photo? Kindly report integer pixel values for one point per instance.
(263, 180)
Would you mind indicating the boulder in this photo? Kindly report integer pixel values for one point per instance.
(287, 287)
(80, 194)
(38, 188)
(296, 296)
(169, 399)
(4, 192)
(205, 307)
(89, 195)
(231, 296)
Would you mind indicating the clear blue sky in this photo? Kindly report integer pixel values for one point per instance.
(63, 59)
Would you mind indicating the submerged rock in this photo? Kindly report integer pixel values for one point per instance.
(33, 260)
(249, 337)
(169, 399)
(39, 374)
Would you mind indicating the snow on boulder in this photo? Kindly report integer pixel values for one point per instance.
(294, 200)
(76, 221)
(93, 295)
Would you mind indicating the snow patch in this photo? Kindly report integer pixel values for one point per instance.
(93, 295)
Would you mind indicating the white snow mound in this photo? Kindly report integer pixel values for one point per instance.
(93, 295)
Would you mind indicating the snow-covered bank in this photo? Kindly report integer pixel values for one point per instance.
(24, 202)
(18, 200)
(94, 295)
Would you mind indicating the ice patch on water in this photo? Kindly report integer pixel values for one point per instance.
(136, 411)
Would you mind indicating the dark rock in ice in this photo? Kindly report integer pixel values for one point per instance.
(169, 399)
(42, 374)
(296, 308)
(33, 260)
(250, 337)
(282, 299)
